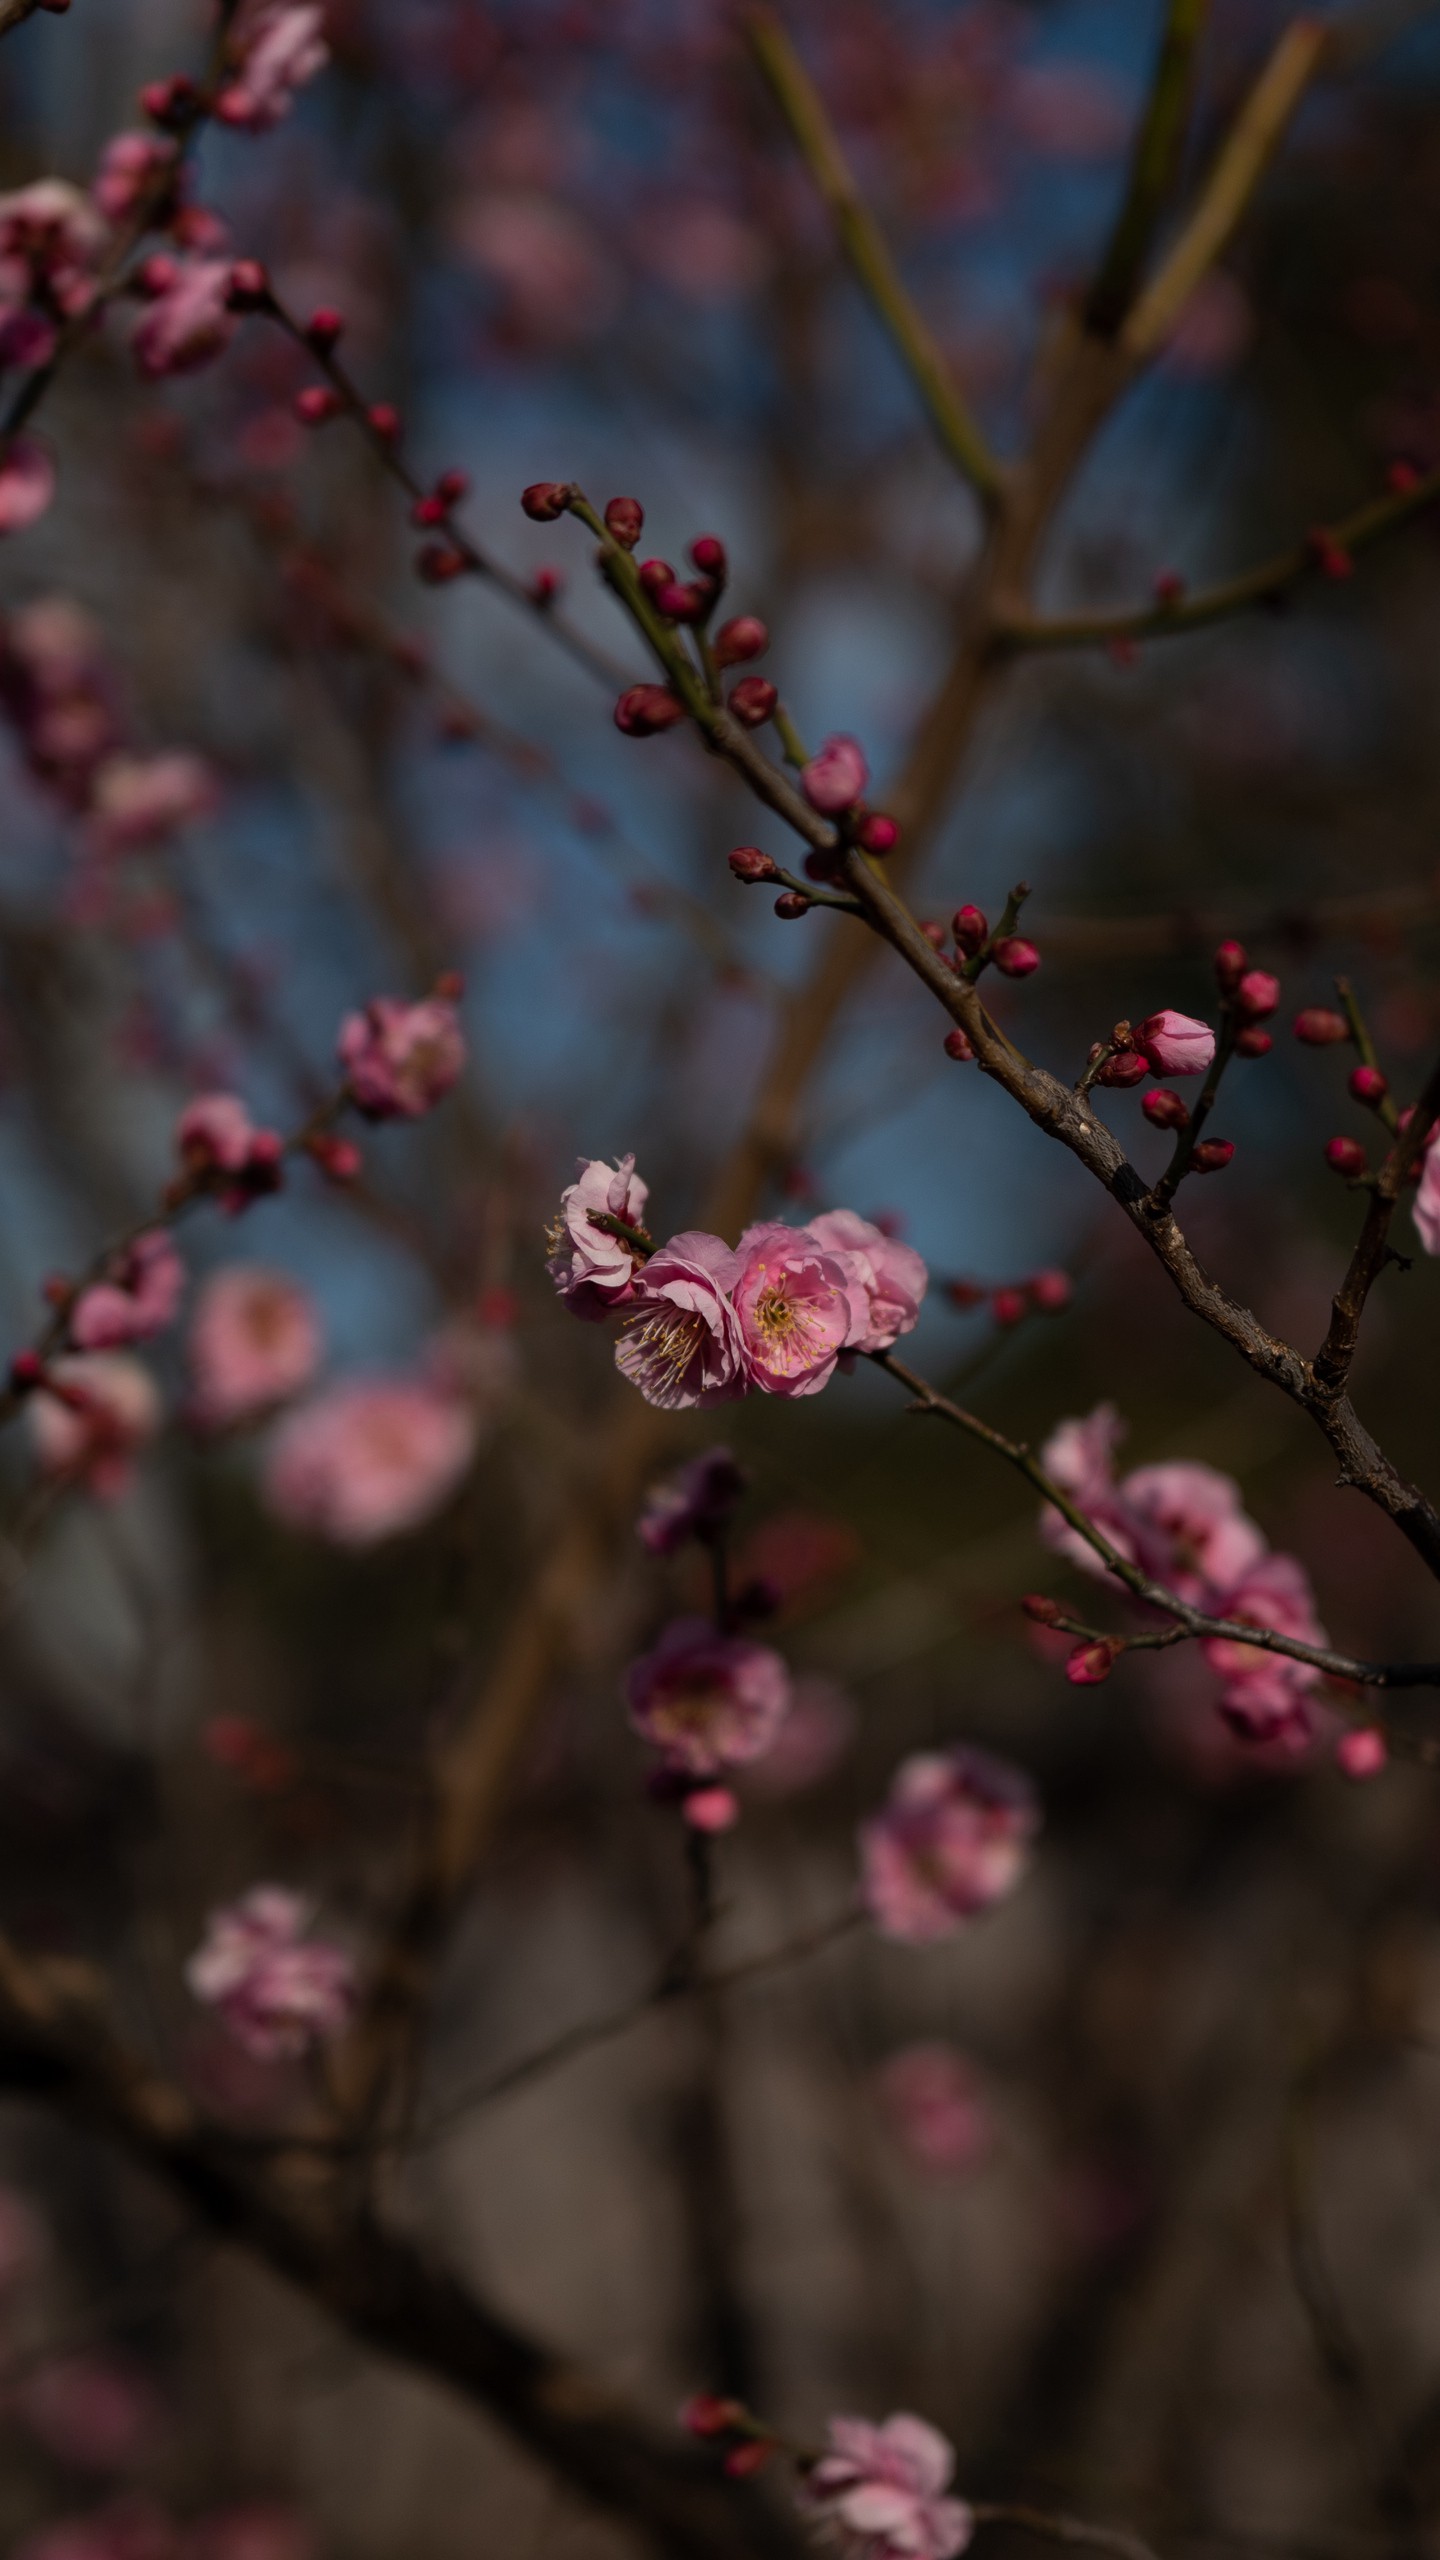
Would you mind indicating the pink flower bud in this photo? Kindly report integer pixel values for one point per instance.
(339, 1159)
(1127, 1067)
(1175, 1044)
(1164, 1110)
(452, 486)
(546, 585)
(790, 904)
(428, 511)
(753, 701)
(625, 521)
(744, 2460)
(1008, 1307)
(654, 575)
(1230, 964)
(1014, 957)
(317, 404)
(249, 285)
(1257, 994)
(1362, 1752)
(964, 1294)
(710, 1809)
(683, 603)
(438, 562)
(957, 1045)
(1319, 1026)
(1050, 1292)
(708, 554)
(27, 483)
(1212, 1155)
(705, 2415)
(743, 636)
(1346, 1156)
(834, 780)
(325, 329)
(1039, 1607)
(934, 933)
(647, 708)
(970, 930)
(544, 500)
(1368, 1085)
(1252, 1042)
(749, 863)
(878, 833)
(1089, 1664)
(383, 420)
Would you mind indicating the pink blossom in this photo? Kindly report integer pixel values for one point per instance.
(137, 1299)
(680, 1338)
(1362, 1751)
(254, 1340)
(279, 1993)
(799, 1307)
(1175, 1044)
(952, 1837)
(1181, 1522)
(1425, 1208)
(558, 286)
(707, 1702)
(929, 2094)
(91, 2411)
(401, 1059)
(187, 324)
(696, 1503)
(834, 780)
(130, 165)
(593, 1270)
(893, 1275)
(27, 483)
(215, 1133)
(816, 1734)
(140, 800)
(368, 1459)
(881, 2491)
(94, 1411)
(1265, 1694)
(275, 47)
(50, 240)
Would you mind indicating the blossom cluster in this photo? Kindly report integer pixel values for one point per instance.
(279, 1992)
(882, 2492)
(702, 1322)
(1184, 1525)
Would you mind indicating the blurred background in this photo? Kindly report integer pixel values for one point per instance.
(1131, 2188)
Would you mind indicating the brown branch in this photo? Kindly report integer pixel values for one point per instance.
(1337, 1351)
(1158, 145)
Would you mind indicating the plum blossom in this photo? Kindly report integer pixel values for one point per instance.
(681, 1341)
(27, 483)
(593, 1270)
(893, 1275)
(254, 1340)
(89, 1418)
(187, 323)
(880, 2491)
(1425, 1209)
(130, 164)
(816, 1734)
(1265, 1695)
(833, 780)
(928, 2093)
(137, 1299)
(952, 1837)
(799, 1306)
(558, 287)
(369, 1459)
(279, 1993)
(696, 1503)
(708, 1702)
(140, 800)
(401, 1059)
(51, 237)
(275, 46)
(56, 689)
(92, 2411)
(1175, 1044)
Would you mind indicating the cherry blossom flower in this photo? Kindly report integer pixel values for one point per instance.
(952, 1837)
(51, 237)
(880, 2491)
(930, 2097)
(130, 165)
(1181, 1522)
(189, 322)
(55, 687)
(27, 483)
(369, 1459)
(816, 1734)
(893, 1275)
(693, 1504)
(279, 1993)
(1425, 1208)
(1175, 1044)
(680, 1339)
(140, 800)
(401, 1059)
(708, 1702)
(215, 1133)
(833, 781)
(95, 1410)
(254, 1340)
(799, 1306)
(138, 1298)
(1265, 1696)
(557, 286)
(275, 46)
(593, 1270)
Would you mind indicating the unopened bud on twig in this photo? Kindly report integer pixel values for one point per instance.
(1212, 1155)
(970, 930)
(1369, 1086)
(753, 701)
(1014, 957)
(544, 500)
(1319, 1026)
(1163, 1109)
(625, 521)
(749, 863)
(1347, 1157)
(957, 1045)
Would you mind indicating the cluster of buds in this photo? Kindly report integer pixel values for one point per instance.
(976, 948)
(1321, 1026)
(1251, 995)
(1045, 1293)
(749, 2445)
(221, 1150)
(437, 562)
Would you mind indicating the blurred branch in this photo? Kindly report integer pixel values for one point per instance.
(1158, 146)
(875, 269)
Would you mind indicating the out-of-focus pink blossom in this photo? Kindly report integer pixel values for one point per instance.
(1181, 1522)
(130, 165)
(814, 1738)
(51, 237)
(254, 1340)
(128, 2529)
(707, 1702)
(138, 1299)
(261, 2529)
(799, 1306)
(279, 1992)
(558, 287)
(952, 1837)
(95, 1411)
(880, 2491)
(94, 2412)
(1425, 1209)
(1362, 1751)
(274, 47)
(27, 483)
(1265, 1696)
(696, 1503)
(215, 1133)
(187, 324)
(56, 690)
(1175, 1044)
(401, 1059)
(593, 1270)
(369, 1459)
(140, 800)
(833, 780)
(932, 2101)
(680, 1338)
(893, 1275)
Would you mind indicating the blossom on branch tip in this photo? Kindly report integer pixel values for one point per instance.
(952, 1837)
(401, 1059)
(695, 1503)
(834, 779)
(188, 322)
(369, 1459)
(254, 1341)
(89, 1416)
(750, 864)
(279, 1993)
(1264, 1697)
(1175, 1044)
(137, 1299)
(707, 1702)
(681, 1341)
(594, 1270)
(273, 48)
(800, 1304)
(880, 2491)
(544, 500)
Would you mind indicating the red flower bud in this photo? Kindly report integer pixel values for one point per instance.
(1164, 1109)
(170, 103)
(877, 833)
(790, 904)
(428, 511)
(1346, 1156)
(647, 708)
(1050, 1292)
(683, 603)
(655, 575)
(1368, 1085)
(957, 1045)
(438, 562)
(1008, 1307)
(744, 2460)
(749, 863)
(26, 1371)
(325, 329)
(339, 1159)
(970, 930)
(1089, 1664)
(546, 585)
(317, 404)
(157, 275)
(1230, 965)
(1257, 994)
(1318, 1025)
(383, 420)
(1014, 956)
(743, 636)
(1252, 1042)
(249, 286)
(625, 521)
(705, 2415)
(1039, 1606)
(1126, 1068)
(753, 701)
(1212, 1155)
(545, 499)
(452, 486)
(708, 554)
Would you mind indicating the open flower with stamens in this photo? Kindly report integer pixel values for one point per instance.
(680, 1338)
(593, 1269)
(1265, 1697)
(879, 2492)
(799, 1307)
(707, 1702)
